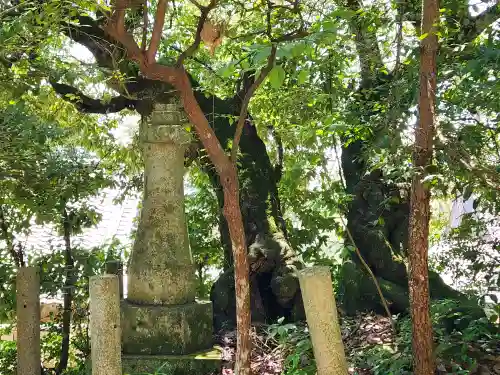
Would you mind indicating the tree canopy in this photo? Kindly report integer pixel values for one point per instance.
(302, 114)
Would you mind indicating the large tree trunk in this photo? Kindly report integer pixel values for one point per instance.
(377, 216)
(275, 290)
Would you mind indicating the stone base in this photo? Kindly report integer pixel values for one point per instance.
(203, 363)
(166, 330)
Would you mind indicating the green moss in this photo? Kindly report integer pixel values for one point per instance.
(208, 362)
(204, 363)
(357, 292)
(168, 330)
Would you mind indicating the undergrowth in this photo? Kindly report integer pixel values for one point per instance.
(457, 352)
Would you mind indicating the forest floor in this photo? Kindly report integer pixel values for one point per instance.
(274, 350)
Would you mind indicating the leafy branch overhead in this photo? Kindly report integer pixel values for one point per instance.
(302, 115)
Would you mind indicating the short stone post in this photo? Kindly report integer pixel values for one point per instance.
(28, 321)
(105, 329)
(322, 319)
(115, 267)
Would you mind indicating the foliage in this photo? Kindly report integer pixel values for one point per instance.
(88, 262)
(294, 340)
(48, 178)
(349, 76)
(203, 229)
(8, 357)
(458, 352)
(469, 253)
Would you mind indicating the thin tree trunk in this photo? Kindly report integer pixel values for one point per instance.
(420, 195)
(68, 296)
(17, 256)
(225, 166)
(232, 212)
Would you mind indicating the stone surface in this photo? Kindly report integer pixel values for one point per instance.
(203, 363)
(161, 321)
(105, 329)
(161, 269)
(28, 321)
(322, 319)
(170, 330)
(115, 267)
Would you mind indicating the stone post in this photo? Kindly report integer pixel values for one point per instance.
(105, 329)
(28, 321)
(161, 320)
(322, 319)
(115, 267)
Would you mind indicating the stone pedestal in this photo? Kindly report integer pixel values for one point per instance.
(162, 323)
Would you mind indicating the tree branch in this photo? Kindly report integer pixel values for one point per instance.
(157, 31)
(86, 104)
(278, 167)
(89, 33)
(367, 48)
(152, 70)
(298, 34)
(144, 26)
(197, 39)
(116, 29)
(246, 100)
(4, 227)
(196, 4)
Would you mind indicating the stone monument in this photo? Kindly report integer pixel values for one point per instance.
(163, 326)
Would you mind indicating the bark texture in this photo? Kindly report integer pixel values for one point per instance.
(68, 294)
(274, 288)
(420, 195)
(380, 242)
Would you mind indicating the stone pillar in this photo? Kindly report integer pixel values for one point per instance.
(115, 267)
(322, 319)
(160, 316)
(28, 321)
(105, 329)
(161, 269)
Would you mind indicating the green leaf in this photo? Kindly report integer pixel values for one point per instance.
(302, 77)
(261, 55)
(277, 76)
(423, 36)
(299, 49)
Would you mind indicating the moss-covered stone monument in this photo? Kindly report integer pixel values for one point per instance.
(163, 326)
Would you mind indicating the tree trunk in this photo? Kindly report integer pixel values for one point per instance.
(228, 175)
(68, 295)
(378, 214)
(274, 289)
(420, 195)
